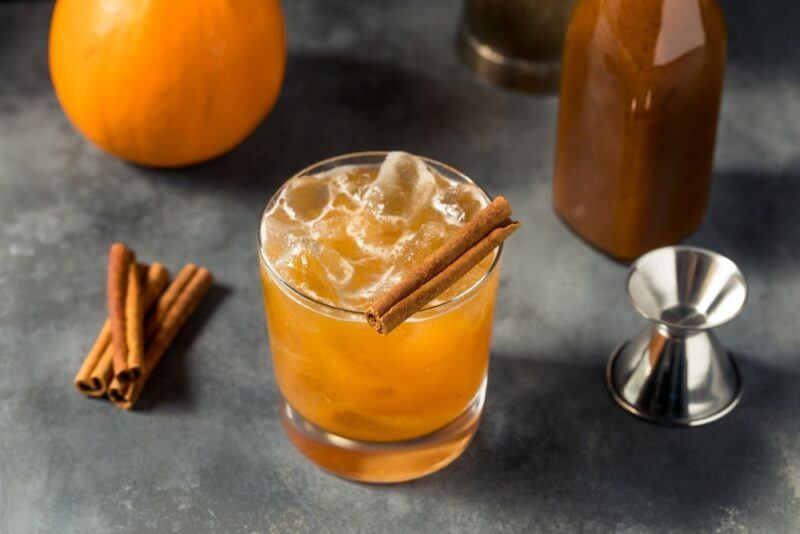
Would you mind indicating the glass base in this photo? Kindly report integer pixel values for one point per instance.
(513, 73)
(379, 462)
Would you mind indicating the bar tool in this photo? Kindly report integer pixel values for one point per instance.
(676, 372)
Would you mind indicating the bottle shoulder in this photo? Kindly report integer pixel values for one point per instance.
(650, 33)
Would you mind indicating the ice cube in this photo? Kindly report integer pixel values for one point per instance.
(458, 203)
(352, 182)
(338, 269)
(428, 238)
(368, 272)
(277, 224)
(306, 198)
(404, 185)
(313, 268)
(331, 230)
(372, 278)
(377, 237)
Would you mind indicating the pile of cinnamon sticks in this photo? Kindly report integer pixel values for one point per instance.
(144, 316)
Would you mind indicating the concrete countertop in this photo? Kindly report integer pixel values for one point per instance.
(205, 451)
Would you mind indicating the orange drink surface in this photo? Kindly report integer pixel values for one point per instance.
(333, 240)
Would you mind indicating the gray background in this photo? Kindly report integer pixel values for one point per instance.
(205, 451)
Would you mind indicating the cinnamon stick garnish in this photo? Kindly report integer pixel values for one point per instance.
(174, 307)
(120, 260)
(97, 370)
(474, 241)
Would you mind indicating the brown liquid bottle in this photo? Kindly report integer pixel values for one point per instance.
(640, 94)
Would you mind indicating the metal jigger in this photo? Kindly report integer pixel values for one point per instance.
(675, 372)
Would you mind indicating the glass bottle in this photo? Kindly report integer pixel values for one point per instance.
(640, 95)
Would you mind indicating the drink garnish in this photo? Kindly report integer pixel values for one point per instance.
(464, 250)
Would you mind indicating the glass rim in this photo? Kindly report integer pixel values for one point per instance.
(294, 291)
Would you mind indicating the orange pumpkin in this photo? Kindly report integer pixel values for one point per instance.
(167, 82)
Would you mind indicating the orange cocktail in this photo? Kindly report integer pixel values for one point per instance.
(366, 406)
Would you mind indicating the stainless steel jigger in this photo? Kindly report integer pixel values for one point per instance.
(675, 372)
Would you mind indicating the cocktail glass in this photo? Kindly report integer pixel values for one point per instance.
(379, 408)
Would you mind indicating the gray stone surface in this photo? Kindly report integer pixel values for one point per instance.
(205, 452)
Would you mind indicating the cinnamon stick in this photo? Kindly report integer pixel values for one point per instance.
(473, 242)
(93, 377)
(120, 259)
(134, 330)
(174, 307)
(97, 371)
(167, 300)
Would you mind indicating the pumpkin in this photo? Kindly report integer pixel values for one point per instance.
(167, 83)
